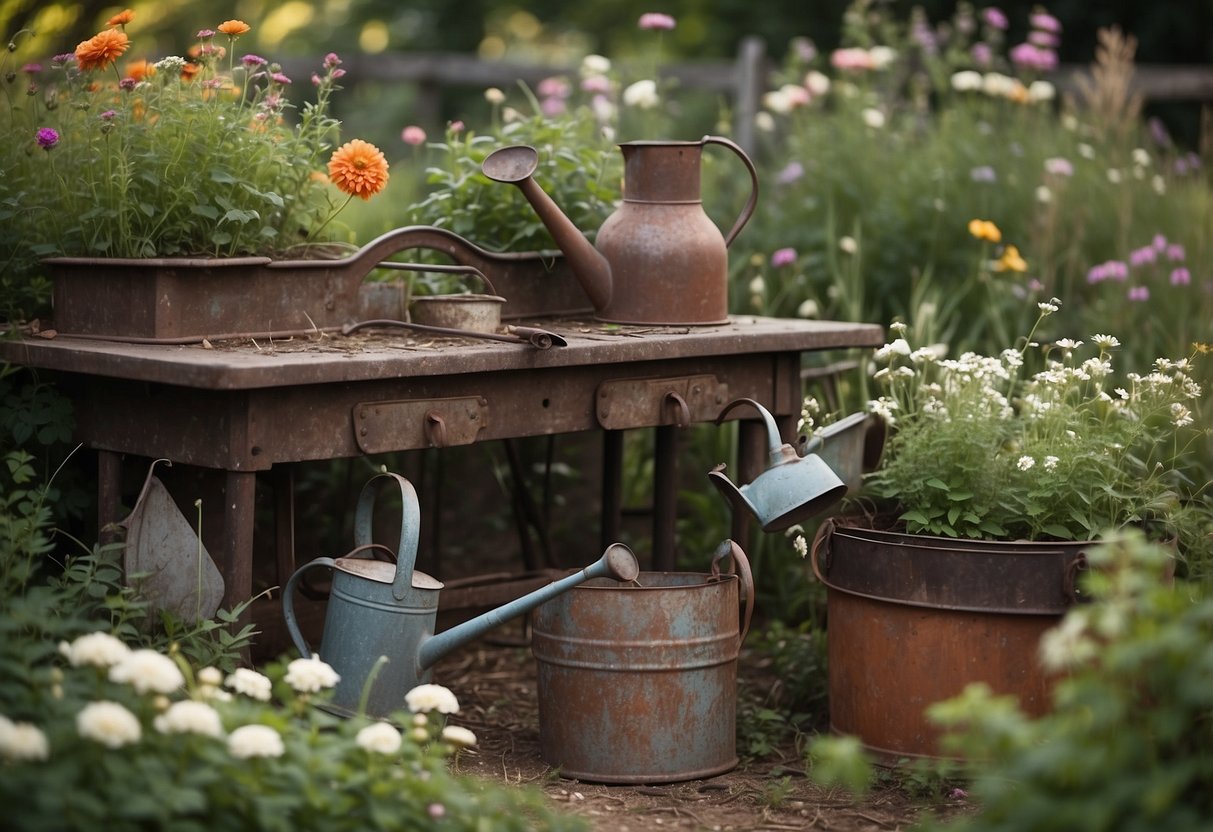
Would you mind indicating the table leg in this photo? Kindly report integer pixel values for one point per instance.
(284, 520)
(665, 497)
(239, 492)
(109, 493)
(612, 487)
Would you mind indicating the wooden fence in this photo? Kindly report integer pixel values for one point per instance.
(743, 80)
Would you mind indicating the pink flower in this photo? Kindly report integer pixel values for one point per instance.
(413, 135)
(655, 20)
(783, 257)
(553, 106)
(1028, 56)
(854, 58)
(994, 18)
(1181, 277)
(596, 84)
(554, 87)
(455, 126)
(47, 137)
(1045, 22)
(1138, 293)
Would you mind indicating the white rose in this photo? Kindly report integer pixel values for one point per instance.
(255, 741)
(379, 738)
(457, 736)
(250, 683)
(109, 724)
(148, 672)
(96, 649)
(426, 698)
(310, 675)
(642, 94)
(189, 717)
(22, 742)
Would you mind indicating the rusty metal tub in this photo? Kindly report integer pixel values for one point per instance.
(638, 683)
(912, 619)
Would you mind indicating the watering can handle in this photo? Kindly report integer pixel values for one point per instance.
(742, 564)
(410, 528)
(752, 202)
(288, 603)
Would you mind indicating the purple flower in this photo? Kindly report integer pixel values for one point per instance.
(251, 61)
(553, 87)
(984, 173)
(994, 18)
(958, 794)
(337, 73)
(279, 78)
(64, 59)
(203, 34)
(1159, 242)
(1116, 270)
(1138, 293)
(791, 172)
(47, 137)
(553, 106)
(655, 20)
(982, 54)
(1181, 277)
(1143, 256)
(31, 69)
(1044, 22)
(331, 60)
(805, 49)
(783, 257)
(1175, 252)
(1158, 132)
(108, 115)
(127, 84)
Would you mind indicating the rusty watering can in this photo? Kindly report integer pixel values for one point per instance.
(792, 488)
(658, 259)
(382, 609)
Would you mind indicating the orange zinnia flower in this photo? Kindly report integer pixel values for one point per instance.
(189, 71)
(121, 18)
(358, 169)
(140, 70)
(102, 49)
(234, 28)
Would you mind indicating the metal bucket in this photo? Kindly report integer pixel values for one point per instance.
(913, 619)
(638, 683)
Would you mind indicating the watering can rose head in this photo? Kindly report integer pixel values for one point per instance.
(215, 158)
(1043, 441)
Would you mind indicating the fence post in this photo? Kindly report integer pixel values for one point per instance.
(749, 78)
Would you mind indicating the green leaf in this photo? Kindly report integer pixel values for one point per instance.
(204, 209)
(915, 517)
(960, 495)
(936, 482)
(220, 175)
(1059, 531)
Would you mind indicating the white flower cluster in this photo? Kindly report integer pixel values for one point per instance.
(310, 675)
(425, 698)
(998, 85)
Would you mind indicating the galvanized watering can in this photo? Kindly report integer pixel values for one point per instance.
(383, 609)
(792, 488)
(658, 259)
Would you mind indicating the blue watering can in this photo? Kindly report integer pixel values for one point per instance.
(792, 488)
(382, 609)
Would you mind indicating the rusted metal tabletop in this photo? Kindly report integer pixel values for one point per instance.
(244, 407)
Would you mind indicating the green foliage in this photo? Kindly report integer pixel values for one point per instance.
(983, 446)
(577, 167)
(182, 162)
(1127, 744)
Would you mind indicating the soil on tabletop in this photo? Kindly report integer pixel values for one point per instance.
(496, 686)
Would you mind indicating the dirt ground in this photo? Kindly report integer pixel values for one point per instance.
(496, 687)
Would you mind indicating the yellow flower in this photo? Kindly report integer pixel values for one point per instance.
(1011, 261)
(234, 28)
(985, 230)
(102, 49)
(358, 169)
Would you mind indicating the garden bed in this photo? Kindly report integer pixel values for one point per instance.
(496, 686)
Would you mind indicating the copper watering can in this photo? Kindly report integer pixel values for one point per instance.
(658, 259)
(792, 488)
(380, 609)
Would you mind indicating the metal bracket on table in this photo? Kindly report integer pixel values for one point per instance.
(629, 403)
(419, 423)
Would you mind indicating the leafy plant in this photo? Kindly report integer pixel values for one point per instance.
(201, 155)
(1127, 743)
(1037, 442)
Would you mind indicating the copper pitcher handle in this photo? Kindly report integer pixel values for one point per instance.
(752, 202)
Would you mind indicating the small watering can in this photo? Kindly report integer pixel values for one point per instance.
(791, 489)
(658, 259)
(382, 609)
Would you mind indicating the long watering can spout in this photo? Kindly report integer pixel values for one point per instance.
(616, 562)
(514, 165)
